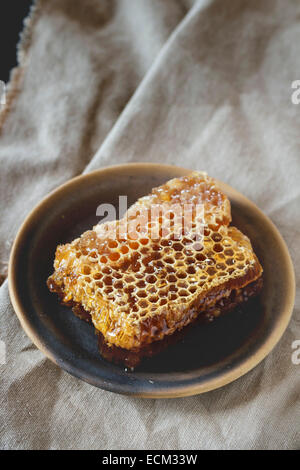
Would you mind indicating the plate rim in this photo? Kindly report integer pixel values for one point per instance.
(179, 391)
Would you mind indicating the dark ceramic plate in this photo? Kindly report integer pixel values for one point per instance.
(209, 356)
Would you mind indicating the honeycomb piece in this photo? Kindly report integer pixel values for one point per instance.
(139, 288)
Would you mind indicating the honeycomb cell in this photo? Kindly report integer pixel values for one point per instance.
(177, 246)
(169, 260)
(191, 270)
(134, 245)
(150, 279)
(97, 276)
(198, 246)
(86, 270)
(136, 267)
(211, 271)
(118, 284)
(142, 293)
(163, 293)
(107, 270)
(117, 275)
(108, 290)
(114, 256)
(192, 289)
(217, 248)
(173, 288)
(181, 275)
(171, 269)
(124, 249)
(182, 284)
(143, 303)
(216, 237)
(172, 296)
(188, 252)
(141, 284)
(183, 293)
(220, 266)
(107, 280)
(149, 269)
(200, 257)
(230, 261)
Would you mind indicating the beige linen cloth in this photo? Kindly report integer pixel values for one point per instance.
(202, 84)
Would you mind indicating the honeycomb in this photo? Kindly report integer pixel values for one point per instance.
(139, 288)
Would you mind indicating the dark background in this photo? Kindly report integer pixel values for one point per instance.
(12, 16)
